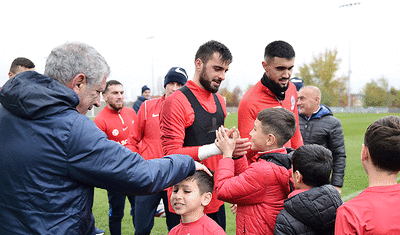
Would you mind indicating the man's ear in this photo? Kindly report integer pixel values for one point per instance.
(264, 65)
(206, 198)
(199, 64)
(318, 100)
(77, 82)
(10, 75)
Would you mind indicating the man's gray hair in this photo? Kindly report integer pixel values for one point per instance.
(70, 59)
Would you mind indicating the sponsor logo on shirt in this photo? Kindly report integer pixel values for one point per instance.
(115, 132)
(155, 115)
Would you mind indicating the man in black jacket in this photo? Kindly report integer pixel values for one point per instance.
(319, 126)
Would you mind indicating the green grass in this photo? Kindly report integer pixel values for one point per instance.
(354, 126)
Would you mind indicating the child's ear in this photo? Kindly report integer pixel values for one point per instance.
(271, 139)
(297, 177)
(364, 153)
(206, 198)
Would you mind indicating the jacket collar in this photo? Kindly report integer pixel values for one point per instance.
(322, 111)
(277, 156)
(32, 95)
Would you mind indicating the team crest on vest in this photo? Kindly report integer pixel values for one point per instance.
(293, 101)
(115, 132)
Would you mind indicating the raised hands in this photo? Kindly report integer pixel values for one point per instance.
(242, 144)
(224, 143)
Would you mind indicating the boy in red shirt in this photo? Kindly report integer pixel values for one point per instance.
(259, 189)
(188, 199)
(376, 209)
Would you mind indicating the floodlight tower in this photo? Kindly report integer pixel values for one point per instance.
(348, 82)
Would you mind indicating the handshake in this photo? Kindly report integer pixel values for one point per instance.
(230, 144)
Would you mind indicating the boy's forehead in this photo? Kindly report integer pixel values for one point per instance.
(187, 183)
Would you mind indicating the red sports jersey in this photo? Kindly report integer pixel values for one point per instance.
(146, 130)
(259, 97)
(203, 226)
(116, 123)
(375, 211)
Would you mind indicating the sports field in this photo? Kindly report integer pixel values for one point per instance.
(354, 126)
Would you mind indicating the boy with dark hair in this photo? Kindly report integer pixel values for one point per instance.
(311, 208)
(260, 189)
(376, 209)
(188, 199)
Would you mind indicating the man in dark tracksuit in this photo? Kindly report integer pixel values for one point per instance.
(319, 126)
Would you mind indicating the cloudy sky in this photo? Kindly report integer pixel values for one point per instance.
(141, 40)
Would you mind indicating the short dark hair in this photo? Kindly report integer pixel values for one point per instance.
(314, 162)
(206, 51)
(203, 180)
(278, 121)
(111, 83)
(279, 49)
(23, 62)
(383, 141)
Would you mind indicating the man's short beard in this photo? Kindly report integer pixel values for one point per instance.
(279, 87)
(206, 83)
(116, 107)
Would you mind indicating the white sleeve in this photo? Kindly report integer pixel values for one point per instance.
(208, 150)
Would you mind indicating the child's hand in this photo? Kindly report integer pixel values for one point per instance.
(224, 143)
(242, 144)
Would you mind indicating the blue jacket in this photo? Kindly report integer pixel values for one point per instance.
(138, 103)
(52, 157)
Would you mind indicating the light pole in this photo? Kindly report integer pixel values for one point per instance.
(152, 66)
(348, 82)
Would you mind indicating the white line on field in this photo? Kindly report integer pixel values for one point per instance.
(350, 196)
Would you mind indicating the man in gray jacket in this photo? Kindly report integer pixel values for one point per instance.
(319, 126)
